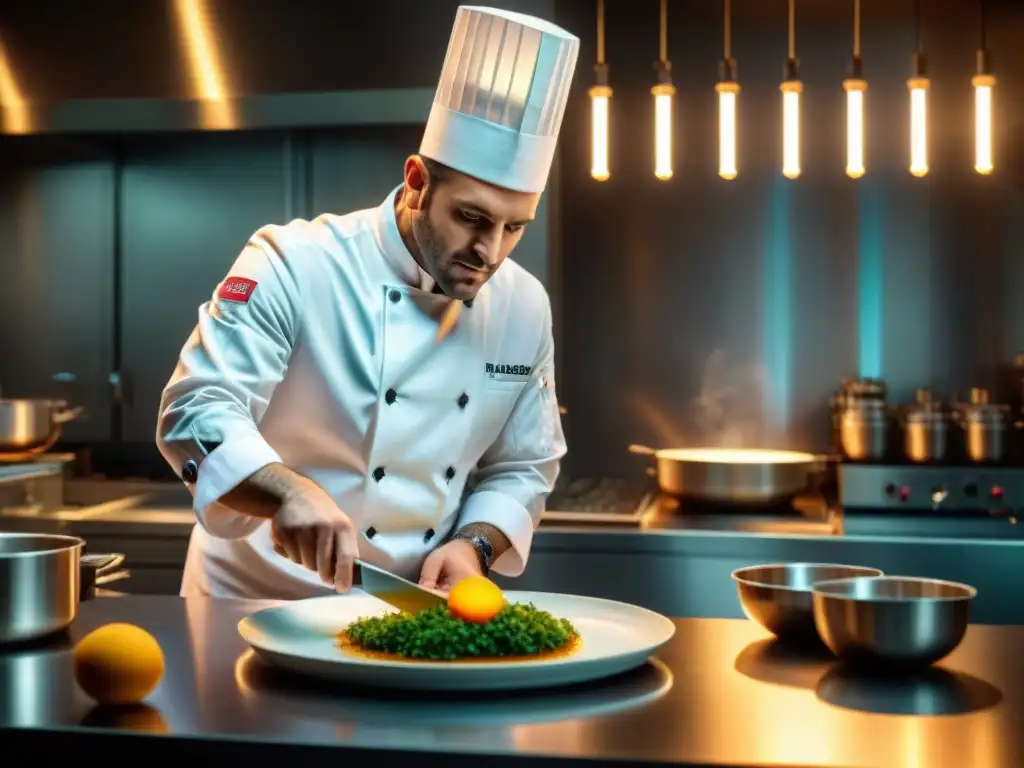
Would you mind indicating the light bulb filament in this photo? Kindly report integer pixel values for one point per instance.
(855, 89)
(663, 94)
(983, 85)
(791, 90)
(727, 93)
(918, 125)
(599, 96)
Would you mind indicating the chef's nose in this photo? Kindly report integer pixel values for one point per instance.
(488, 248)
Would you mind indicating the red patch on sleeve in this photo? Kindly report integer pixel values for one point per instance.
(236, 289)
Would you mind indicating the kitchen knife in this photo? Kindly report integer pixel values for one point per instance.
(396, 591)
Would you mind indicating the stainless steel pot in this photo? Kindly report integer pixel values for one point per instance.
(732, 476)
(986, 430)
(925, 435)
(32, 426)
(40, 581)
(864, 429)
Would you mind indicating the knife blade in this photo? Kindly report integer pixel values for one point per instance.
(394, 590)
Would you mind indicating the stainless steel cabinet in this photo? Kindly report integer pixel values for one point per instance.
(355, 168)
(57, 276)
(189, 203)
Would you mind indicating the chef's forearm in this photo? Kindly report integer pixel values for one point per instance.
(499, 541)
(265, 490)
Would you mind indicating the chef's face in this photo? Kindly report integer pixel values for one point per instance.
(464, 228)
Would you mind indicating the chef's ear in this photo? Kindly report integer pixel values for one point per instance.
(416, 178)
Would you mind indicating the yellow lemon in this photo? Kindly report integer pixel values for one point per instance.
(118, 664)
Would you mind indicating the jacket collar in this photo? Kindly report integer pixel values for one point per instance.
(396, 254)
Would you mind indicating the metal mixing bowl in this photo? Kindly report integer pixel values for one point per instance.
(892, 620)
(778, 596)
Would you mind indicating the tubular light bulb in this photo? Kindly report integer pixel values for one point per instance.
(663, 93)
(918, 125)
(599, 96)
(855, 127)
(791, 128)
(983, 85)
(727, 92)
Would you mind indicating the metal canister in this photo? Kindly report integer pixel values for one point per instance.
(851, 392)
(925, 434)
(864, 429)
(985, 431)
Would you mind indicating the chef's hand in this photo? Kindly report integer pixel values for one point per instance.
(450, 564)
(310, 529)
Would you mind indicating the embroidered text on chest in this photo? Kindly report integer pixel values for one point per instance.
(503, 369)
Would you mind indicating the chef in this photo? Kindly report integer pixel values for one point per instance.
(381, 384)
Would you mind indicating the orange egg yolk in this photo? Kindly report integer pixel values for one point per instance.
(475, 599)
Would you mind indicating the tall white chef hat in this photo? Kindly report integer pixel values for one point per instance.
(501, 97)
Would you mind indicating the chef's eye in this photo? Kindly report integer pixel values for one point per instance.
(472, 218)
(515, 228)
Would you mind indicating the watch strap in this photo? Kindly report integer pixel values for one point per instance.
(483, 547)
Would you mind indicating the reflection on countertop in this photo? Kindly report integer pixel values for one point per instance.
(719, 693)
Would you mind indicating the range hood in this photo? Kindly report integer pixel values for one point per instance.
(68, 66)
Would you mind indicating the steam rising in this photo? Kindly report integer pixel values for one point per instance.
(729, 410)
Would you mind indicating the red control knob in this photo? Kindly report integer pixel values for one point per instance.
(904, 493)
(997, 493)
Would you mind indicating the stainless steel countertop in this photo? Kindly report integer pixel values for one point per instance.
(719, 694)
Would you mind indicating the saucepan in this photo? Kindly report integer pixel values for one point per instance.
(733, 475)
(43, 578)
(32, 426)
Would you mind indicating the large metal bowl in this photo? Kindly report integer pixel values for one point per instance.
(892, 621)
(778, 596)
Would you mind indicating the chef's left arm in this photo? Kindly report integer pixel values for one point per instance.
(516, 474)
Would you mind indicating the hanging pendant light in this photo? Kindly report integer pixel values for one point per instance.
(663, 92)
(728, 90)
(600, 94)
(855, 87)
(791, 89)
(919, 85)
(983, 83)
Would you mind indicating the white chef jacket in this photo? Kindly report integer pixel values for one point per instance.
(330, 365)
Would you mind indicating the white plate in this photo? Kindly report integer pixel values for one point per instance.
(302, 636)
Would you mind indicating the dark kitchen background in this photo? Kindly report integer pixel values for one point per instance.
(691, 311)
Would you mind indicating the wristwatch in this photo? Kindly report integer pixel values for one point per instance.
(483, 548)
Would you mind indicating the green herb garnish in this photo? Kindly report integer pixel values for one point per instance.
(519, 629)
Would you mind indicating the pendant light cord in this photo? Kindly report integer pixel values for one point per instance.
(600, 32)
(856, 29)
(919, 26)
(983, 25)
(728, 30)
(792, 29)
(663, 41)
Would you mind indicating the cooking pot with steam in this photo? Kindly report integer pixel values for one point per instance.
(32, 426)
(733, 475)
